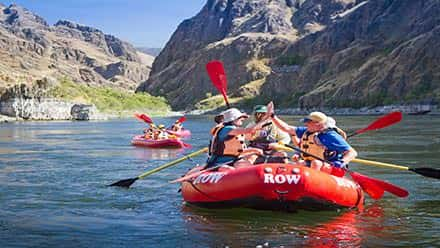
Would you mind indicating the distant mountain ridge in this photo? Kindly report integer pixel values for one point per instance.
(150, 50)
(31, 49)
(306, 53)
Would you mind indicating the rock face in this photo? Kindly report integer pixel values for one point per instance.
(31, 49)
(305, 53)
(32, 102)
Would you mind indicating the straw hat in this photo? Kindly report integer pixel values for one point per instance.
(316, 116)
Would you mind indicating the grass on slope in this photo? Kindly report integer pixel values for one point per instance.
(110, 100)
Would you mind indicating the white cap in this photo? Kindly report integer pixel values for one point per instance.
(233, 114)
(331, 123)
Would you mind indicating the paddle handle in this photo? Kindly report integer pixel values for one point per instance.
(351, 135)
(369, 162)
(173, 163)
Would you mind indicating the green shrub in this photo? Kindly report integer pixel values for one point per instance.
(290, 60)
(108, 99)
(210, 103)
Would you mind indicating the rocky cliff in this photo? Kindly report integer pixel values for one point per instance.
(35, 58)
(306, 53)
(30, 49)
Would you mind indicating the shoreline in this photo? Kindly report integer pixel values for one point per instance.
(409, 109)
(413, 109)
(102, 117)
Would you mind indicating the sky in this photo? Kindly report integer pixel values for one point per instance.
(147, 23)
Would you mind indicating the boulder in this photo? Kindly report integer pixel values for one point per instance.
(84, 112)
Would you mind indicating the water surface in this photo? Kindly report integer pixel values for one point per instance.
(53, 193)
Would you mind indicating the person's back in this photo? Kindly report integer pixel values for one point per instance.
(222, 151)
(176, 127)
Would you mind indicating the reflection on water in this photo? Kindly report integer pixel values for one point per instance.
(238, 227)
(148, 154)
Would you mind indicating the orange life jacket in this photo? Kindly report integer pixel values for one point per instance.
(310, 144)
(149, 134)
(213, 133)
(232, 146)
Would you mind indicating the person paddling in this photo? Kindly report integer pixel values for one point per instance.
(149, 132)
(160, 133)
(331, 124)
(267, 136)
(177, 126)
(228, 141)
(318, 139)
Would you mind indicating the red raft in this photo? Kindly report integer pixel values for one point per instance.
(271, 186)
(139, 140)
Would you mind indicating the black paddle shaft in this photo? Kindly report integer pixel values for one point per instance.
(427, 172)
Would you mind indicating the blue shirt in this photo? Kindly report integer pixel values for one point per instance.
(222, 136)
(332, 141)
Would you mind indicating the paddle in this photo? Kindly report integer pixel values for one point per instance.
(126, 183)
(380, 123)
(386, 121)
(217, 75)
(144, 117)
(181, 119)
(373, 187)
(424, 171)
(393, 189)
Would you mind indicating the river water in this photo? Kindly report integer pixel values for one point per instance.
(53, 193)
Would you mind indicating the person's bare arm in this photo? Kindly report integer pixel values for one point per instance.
(278, 122)
(246, 131)
(284, 126)
(349, 155)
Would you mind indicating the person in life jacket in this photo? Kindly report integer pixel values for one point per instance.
(228, 144)
(177, 126)
(218, 119)
(266, 137)
(318, 139)
(149, 132)
(160, 133)
(330, 124)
